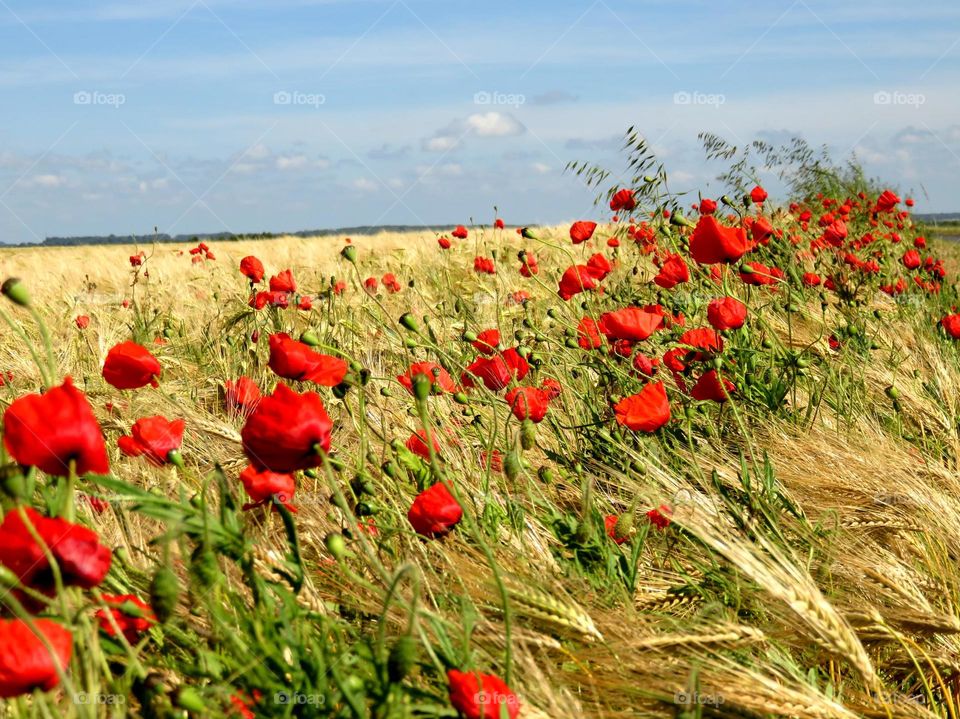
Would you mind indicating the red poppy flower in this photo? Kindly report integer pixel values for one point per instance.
(305, 304)
(660, 516)
(712, 243)
(294, 360)
(285, 429)
(646, 411)
(484, 265)
(434, 512)
(496, 372)
(487, 342)
(811, 279)
(371, 285)
(242, 394)
(631, 323)
(551, 387)
(131, 366)
(417, 443)
(153, 437)
(262, 485)
(911, 259)
(283, 282)
(390, 282)
(274, 299)
(711, 386)
(610, 525)
(82, 322)
(481, 696)
(460, 232)
(131, 614)
(82, 560)
(951, 323)
(529, 266)
(761, 274)
(623, 201)
(646, 366)
(444, 243)
(760, 230)
(581, 231)
(252, 268)
(436, 374)
(339, 286)
(887, 201)
(672, 272)
(528, 403)
(726, 313)
(49, 430)
(706, 340)
(707, 206)
(758, 195)
(492, 460)
(25, 661)
(588, 334)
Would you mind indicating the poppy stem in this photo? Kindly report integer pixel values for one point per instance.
(45, 380)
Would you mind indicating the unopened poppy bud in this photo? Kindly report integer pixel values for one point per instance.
(523, 352)
(469, 336)
(8, 579)
(460, 398)
(511, 465)
(545, 474)
(310, 338)
(527, 234)
(349, 253)
(403, 655)
(340, 390)
(16, 292)
(727, 201)
(390, 469)
(188, 698)
(552, 313)
(168, 333)
(175, 458)
(409, 343)
(421, 387)
(892, 392)
(164, 593)
(385, 392)
(410, 322)
(624, 527)
(677, 218)
(336, 545)
(528, 434)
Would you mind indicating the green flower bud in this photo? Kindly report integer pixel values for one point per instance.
(310, 338)
(527, 234)
(511, 465)
(164, 593)
(528, 434)
(16, 292)
(409, 321)
(336, 545)
(349, 253)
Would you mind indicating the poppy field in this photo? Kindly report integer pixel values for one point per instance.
(696, 456)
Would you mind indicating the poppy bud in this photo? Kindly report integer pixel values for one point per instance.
(421, 387)
(469, 336)
(511, 465)
(676, 218)
(175, 458)
(349, 253)
(624, 528)
(528, 434)
(747, 200)
(892, 392)
(726, 201)
(409, 342)
(164, 593)
(188, 698)
(460, 398)
(403, 655)
(310, 339)
(409, 321)
(336, 545)
(552, 313)
(527, 234)
(523, 352)
(16, 292)
(545, 475)
(390, 469)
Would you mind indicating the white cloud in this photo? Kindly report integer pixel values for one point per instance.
(494, 124)
(291, 162)
(540, 168)
(47, 181)
(365, 185)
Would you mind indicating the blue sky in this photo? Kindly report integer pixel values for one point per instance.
(247, 115)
